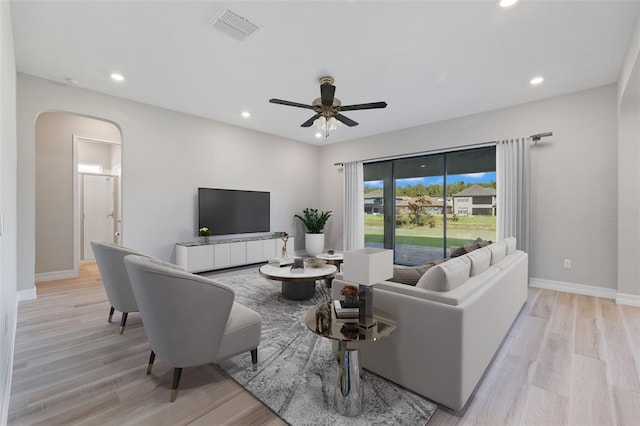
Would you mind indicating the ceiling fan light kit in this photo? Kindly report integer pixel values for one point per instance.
(327, 108)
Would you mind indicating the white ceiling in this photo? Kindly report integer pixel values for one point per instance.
(429, 60)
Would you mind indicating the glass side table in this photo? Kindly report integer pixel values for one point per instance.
(322, 321)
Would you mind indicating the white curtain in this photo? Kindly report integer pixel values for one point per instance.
(513, 181)
(353, 236)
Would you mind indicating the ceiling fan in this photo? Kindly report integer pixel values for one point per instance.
(328, 107)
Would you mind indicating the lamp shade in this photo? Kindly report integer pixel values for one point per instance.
(367, 266)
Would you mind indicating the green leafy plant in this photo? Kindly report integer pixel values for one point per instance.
(204, 231)
(314, 220)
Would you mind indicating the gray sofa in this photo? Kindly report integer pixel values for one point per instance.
(450, 324)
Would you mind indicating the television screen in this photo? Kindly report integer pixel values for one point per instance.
(229, 211)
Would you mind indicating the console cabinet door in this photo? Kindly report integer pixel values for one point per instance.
(268, 249)
(254, 251)
(195, 258)
(222, 257)
(238, 253)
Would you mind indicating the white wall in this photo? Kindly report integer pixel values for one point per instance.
(7, 204)
(574, 176)
(165, 157)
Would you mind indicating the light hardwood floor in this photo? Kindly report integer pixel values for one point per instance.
(568, 360)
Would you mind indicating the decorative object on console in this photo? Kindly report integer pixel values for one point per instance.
(315, 222)
(204, 234)
(298, 263)
(285, 238)
(366, 267)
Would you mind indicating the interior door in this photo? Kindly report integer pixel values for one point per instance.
(98, 195)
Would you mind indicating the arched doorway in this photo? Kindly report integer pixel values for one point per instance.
(63, 142)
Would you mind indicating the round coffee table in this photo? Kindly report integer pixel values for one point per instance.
(297, 284)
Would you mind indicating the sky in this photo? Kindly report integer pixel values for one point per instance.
(485, 177)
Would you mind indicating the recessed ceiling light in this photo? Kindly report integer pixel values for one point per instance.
(318, 135)
(246, 114)
(117, 76)
(536, 80)
(507, 3)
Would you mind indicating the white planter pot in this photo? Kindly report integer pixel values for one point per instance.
(314, 244)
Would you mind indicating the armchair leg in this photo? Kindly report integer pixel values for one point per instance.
(111, 311)
(176, 381)
(123, 321)
(151, 359)
(254, 359)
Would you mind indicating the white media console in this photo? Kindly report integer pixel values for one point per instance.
(226, 253)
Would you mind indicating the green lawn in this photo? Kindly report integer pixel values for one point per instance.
(465, 229)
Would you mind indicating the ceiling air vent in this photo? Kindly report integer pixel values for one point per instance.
(234, 25)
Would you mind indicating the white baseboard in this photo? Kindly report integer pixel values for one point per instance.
(587, 290)
(27, 294)
(628, 299)
(56, 275)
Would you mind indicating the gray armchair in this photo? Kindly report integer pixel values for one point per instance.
(190, 320)
(110, 260)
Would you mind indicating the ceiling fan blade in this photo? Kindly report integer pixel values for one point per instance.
(310, 121)
(289, 103)
(349, 122)
(371, 105)
(327, 91)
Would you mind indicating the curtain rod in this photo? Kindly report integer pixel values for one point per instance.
(534, 138)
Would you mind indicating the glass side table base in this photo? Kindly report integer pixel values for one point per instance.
(348, 392)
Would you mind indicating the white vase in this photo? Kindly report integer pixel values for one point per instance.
(314, 244)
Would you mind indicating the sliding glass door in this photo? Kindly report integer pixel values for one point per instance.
(422, 207)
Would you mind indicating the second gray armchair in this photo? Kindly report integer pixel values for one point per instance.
(190, 320)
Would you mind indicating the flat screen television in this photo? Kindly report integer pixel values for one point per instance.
(230, 211)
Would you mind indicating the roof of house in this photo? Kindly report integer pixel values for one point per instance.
(376, 193)
(476, 191)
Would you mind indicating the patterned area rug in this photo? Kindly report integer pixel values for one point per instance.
(297, 370)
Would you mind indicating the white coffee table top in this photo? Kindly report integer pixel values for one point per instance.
(326, 256)
(282, 273)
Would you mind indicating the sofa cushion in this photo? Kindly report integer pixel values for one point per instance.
(498, 251)
(447, 275)
(480, 260)
(511, 244)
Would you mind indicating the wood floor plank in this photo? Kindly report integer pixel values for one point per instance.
(588, 336)
(590, 402)
(72, 367)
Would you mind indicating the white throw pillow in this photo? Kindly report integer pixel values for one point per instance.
(447, 275)
(511, 244)
(498, 251)
(480, 260)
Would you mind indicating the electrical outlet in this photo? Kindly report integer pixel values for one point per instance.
(567, 263)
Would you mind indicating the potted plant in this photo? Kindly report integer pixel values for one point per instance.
(315, 222)
(204, 234)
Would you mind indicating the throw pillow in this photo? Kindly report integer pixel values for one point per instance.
(447, 275)
(410, 275)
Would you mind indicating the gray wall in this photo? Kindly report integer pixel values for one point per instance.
(7, 202)
(574, 176)
(166, 156)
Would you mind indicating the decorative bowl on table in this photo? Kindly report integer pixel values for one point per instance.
(314, 262)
